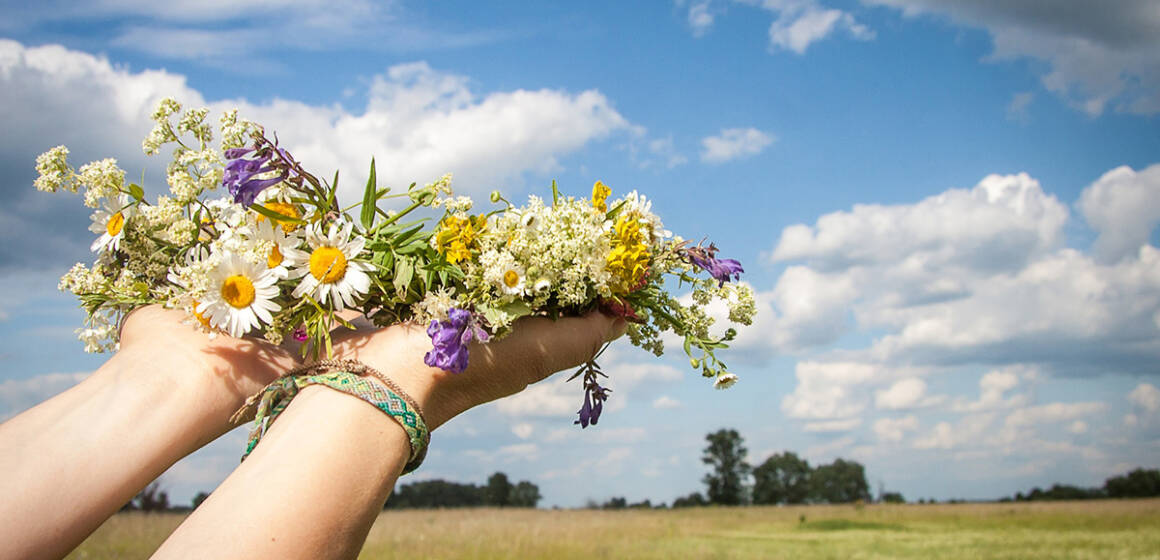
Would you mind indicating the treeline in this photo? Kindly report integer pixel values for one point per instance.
(783, 478)
(498, 492)
(1140, 483)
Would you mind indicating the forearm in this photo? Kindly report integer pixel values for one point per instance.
(71, 462)
(311, 489)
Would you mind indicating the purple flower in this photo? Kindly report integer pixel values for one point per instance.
(240, 173)
(594, 397)
(449, 340)
(299, 333)
(721, 269)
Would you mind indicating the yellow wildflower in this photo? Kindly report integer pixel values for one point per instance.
(458, 235)
(629, 258)
(599, 196)
(285, 209)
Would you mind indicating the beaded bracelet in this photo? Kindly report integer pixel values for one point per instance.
(343, 376)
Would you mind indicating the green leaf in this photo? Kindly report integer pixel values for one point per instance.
(404, 271)
(555, 193)
(137, 192)
(369, 198)
(518, 308)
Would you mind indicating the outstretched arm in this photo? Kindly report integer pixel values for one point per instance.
(69, 463)
(314, 485)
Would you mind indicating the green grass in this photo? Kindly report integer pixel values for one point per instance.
(1080, 530)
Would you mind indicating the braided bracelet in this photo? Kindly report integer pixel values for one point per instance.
(343, 376)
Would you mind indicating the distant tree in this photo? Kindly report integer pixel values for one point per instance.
(692, 500)
(1139, 483)
(435, 494)
(524, 494)
(726, 456)
(782, 479)
(892, 498)
(618, 502)
(151, 498)
(839, 482)
(199, 498)
(498, 490)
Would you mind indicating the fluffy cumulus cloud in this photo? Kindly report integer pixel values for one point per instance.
(796, 23)
(1099, 54)
(891, 307)
(100, 110)
(734, 143)
(1123, 206)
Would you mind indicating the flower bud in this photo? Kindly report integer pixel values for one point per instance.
(495, 196)
(695, 363)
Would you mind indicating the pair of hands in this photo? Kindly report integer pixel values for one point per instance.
(536, 348)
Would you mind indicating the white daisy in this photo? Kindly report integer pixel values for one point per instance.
(328, 270)
(280, 245)
(109, 221)
(513, 283)
(240, 296)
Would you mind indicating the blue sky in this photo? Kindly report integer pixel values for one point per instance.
(947, 208)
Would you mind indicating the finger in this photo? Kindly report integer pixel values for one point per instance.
(538, 347)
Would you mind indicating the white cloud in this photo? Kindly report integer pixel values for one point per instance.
(800, 24)
(734, 143)
(894, 429)
(1051, 413)
(1078, 427)
(827, 390)
(1099, 53)
(833, 425)
(904, 394)
(797, 24)
(1002, 222)
(1017, 108)
(1123, 206)
(666, 402)
(1146, 397)
(523, 430)
(992, 388)
(700, 17)
(976, 276)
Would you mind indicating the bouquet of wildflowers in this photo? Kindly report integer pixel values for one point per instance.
(281, 256)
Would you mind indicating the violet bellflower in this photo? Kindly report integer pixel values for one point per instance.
(721, 269)
(449, 340)
(594, 397)
(239, 175)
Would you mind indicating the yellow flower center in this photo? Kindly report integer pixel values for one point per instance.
(238, 291)
(599, 196)
(511, 278)
(115, 224)
(275, 258)
(285, 209)
(327, 264)
(200, 318)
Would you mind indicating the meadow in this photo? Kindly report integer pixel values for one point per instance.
(1089, 529)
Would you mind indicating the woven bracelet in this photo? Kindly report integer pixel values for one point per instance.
(343, 376)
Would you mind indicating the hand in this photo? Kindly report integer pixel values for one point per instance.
(536, 348)
(160, 342)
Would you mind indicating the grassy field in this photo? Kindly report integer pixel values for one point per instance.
(1099, 529)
